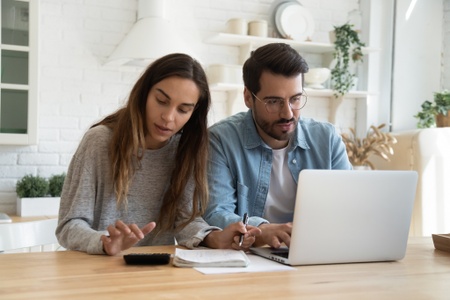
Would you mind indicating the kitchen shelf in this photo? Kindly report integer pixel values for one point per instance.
(256, 41)
(247, 43)
(226, 87)
(235, 94)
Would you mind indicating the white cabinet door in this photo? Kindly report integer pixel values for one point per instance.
(18, 61)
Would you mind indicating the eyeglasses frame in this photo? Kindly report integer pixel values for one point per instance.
(280, 107)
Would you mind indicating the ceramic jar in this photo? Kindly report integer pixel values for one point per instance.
(237, 26)
(258, 28)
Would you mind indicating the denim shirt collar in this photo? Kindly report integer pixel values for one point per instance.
(253, 140)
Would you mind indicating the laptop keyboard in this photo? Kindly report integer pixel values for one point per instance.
(284, 254)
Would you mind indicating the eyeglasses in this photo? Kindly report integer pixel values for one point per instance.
(274, 105)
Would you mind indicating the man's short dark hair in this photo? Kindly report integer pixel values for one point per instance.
(277, 58)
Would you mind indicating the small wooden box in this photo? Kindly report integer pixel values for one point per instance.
(441, 241)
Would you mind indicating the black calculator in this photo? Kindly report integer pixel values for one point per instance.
(147, 258)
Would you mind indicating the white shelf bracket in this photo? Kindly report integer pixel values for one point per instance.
(234, 101)
(335, 102)
(245, 52)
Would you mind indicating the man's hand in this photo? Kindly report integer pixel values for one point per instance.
(230, 236)
(123, 236)
(274, 235)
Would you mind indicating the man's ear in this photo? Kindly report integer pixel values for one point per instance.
(248, 98)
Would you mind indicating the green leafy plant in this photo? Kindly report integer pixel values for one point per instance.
(55, 184)
(431, 110)
(346, 47)
(31, 186)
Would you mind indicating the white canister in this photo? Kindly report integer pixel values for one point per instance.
(237, 26)
(258, 28)
(224, 73)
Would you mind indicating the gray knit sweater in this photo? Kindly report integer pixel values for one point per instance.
(88, 203)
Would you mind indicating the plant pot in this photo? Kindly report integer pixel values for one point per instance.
(332, 36)
(443, 121)
(42, 206)
(362, 168)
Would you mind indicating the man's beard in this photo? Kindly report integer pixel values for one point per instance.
(268, 128)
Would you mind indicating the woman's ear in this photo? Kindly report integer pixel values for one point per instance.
(248, 98)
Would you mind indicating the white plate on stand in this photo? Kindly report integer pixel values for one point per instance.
(294, 21)
(273, 9)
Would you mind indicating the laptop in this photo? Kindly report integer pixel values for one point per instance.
(348, 216)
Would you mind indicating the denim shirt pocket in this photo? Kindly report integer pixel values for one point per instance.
(242, 198)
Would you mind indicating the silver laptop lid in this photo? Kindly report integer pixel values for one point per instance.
(351, 216)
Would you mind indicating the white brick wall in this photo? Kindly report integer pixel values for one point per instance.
(76, 89)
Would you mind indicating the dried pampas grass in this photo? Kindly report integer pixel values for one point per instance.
(375, 143)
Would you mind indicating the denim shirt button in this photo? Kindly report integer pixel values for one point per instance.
(294, 161)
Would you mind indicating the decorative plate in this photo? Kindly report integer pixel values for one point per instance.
(294, 21)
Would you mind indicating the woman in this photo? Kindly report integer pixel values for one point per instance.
(146, 163)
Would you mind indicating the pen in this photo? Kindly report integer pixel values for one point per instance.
(245, 221)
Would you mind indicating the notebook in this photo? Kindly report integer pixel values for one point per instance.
(349, 216)
(210, 258)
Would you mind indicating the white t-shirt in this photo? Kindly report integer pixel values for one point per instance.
(280, 202)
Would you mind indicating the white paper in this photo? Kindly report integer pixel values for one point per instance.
(210, 258)
(257, 264)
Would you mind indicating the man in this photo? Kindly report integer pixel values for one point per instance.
(256, 156)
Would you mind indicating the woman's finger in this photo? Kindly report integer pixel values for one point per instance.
(123, 227)
(148, 228)
(136, 231)
(113, 231)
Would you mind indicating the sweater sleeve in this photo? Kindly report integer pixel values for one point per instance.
(80, 208)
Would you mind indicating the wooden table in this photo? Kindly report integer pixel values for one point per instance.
(18, 219)
(423, 274)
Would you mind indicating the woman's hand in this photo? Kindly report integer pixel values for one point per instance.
(123, 236)
(229, 237)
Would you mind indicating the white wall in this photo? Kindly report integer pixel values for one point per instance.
(380, 36)
(445, 79)
(76, 89)
(417, 59)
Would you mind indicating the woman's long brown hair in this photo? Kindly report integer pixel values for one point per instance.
(130, 128)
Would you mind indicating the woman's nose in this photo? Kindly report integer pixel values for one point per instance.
(168, 115)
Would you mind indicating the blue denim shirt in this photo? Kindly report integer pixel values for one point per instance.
(240, 164)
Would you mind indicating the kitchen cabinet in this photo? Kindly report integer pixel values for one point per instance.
(247, 43)
(18, 61)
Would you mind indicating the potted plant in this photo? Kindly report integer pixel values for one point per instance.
(375, 143)
(38, 196)
(435, 114)
(347, 49)
(55, 184)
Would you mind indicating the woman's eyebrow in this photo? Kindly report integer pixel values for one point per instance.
(168, 97)
(188, 104)
(162, 92)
